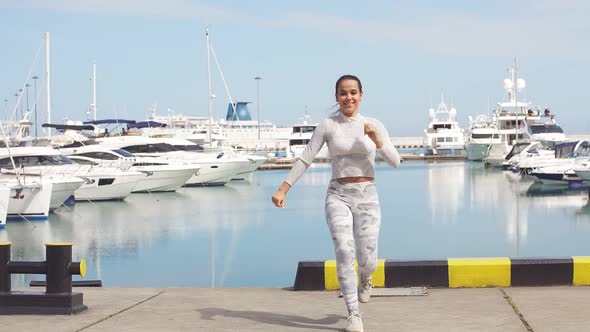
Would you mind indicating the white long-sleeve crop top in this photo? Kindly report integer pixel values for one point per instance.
(352, 152)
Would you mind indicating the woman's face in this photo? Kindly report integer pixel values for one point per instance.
(348, 97)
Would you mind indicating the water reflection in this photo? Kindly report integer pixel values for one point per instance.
(201, 236)
(512, 198)
(583, 213)
(446, 187)
(128, 228)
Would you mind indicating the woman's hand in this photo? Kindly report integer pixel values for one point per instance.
(371, 131)
(278, 199)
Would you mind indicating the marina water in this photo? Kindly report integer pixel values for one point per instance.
(232, 236)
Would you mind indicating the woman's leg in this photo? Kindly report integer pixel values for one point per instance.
(339, 219)
(367, 221)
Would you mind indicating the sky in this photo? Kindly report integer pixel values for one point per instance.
(406, 53)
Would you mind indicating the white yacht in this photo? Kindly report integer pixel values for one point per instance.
(300, 136)
(95, 183)
(510, 117)
(215, 169)
(185, 129)
(560, 154)
(564, 170)
(545, 129)
(482, 133)
(245, 162)
(160, 174)
(523, 153)
(444, 136)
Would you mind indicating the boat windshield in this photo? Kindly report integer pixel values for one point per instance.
(189, 147)
(545, 129)
(149, 148)
(123, 153)
(27, 161)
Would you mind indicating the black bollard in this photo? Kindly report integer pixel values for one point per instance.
(59, 259)
(5, 284)
(58, 298)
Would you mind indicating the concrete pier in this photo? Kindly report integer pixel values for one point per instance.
(286, 163)
(273, 309)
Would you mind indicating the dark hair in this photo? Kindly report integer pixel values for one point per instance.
(349, 77)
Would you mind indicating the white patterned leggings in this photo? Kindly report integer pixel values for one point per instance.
(353, 216)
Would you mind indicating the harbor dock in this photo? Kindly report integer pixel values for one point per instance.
(275, 163)
(273, 309)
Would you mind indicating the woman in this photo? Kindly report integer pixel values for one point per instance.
(352, 205)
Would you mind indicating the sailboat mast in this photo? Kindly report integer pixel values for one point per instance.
(209, 101)
(47, 83)
(514, 80)
(94, 92)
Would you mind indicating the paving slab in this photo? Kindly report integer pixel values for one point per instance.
(102, 303)
(273, 309)
(563, 308)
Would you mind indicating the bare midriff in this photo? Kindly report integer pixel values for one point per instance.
(355, 179)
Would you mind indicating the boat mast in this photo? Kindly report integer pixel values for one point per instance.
(209, 101)
(47, 82)
(515, 84)
(93, 110)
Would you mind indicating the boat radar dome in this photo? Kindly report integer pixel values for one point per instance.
(508, 85)
(431, 112)
(520, 83)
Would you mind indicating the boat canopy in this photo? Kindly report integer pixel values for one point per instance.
(146, 124)
(109, 121)
(67, 127)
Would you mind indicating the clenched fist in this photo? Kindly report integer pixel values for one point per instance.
(371, 131)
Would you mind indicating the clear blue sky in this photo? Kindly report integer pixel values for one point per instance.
(406, 53)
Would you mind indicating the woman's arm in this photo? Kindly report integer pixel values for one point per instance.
(318, 138)
(387, 150)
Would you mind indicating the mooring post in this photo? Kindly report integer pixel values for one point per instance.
(58, 257)
(58, 298)
(5, 285)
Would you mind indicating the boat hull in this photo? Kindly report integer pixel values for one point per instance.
(94, 189)
(476, 151)
(29, 202)
(164, 180)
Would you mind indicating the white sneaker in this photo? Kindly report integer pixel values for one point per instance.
(364, 289)
(355, 324)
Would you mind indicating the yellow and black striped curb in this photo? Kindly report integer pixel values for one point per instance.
(456, 273)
